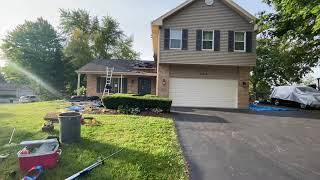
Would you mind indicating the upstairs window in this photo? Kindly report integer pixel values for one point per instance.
(207, 40)
(240, 41)
(175, 39)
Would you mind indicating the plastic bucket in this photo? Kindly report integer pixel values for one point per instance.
(70, 127)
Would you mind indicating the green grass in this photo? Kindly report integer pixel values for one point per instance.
(151, 150)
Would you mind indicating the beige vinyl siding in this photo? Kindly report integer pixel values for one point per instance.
(204, 72)
(200, 16)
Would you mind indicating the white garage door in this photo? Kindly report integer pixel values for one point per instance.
(187, 92)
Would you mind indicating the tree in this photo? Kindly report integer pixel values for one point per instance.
(288, 44)
(293, 18)
(277, 64)
(34, 52)
(99, 39)
(89, 38)
(107, 38)
(296, 23)
(78, 49)
(123, 50)
(2, 79)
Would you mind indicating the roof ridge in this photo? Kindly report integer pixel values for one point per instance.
(230, 3)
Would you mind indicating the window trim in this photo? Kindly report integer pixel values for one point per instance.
(207, 40)
(175, 39)
(244, 41)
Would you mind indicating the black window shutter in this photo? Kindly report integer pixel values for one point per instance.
(231, 41)
(98, 85)
(199, 40)
(124, 85)
(184, 39)
(166, 38)
(216, 40)
(249, 41)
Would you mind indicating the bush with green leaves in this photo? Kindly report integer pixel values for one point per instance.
(128, 110)
(82, 91)
(143, 103)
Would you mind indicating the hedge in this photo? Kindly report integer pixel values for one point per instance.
(144, 103)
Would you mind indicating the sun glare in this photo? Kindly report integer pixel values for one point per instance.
(2, 63)
(34, 78)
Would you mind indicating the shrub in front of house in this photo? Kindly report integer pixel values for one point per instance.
(143, 103)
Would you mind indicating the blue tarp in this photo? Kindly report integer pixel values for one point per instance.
(76, 108)
(254, 107)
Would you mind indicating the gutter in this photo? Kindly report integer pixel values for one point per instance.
(118, 73)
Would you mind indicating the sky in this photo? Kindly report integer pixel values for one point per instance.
(134, 16)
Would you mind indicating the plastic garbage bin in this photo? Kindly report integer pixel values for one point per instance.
(70, 127)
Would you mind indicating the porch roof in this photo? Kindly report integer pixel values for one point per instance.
(121, 67)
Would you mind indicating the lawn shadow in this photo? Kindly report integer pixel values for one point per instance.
(294, 113)
(10, 163)
(196, 117)
(5, 134)
(149, 165)
(6, 115)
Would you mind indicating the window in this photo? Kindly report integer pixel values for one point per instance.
(207, 40)
(240, 41)
(115, 84)
(175, 39)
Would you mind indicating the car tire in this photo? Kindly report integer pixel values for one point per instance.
(277, 102)
(303, 106)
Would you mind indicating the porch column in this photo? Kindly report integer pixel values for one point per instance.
(78, 85)
(121, 87)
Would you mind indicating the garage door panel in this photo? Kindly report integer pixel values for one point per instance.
(203, 92)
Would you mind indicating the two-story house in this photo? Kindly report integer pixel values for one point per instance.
(203, 53)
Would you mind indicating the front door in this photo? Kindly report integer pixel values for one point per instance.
(144, 86)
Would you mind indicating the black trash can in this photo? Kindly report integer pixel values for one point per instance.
(70, 127)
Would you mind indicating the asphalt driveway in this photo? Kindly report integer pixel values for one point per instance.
(227, 144)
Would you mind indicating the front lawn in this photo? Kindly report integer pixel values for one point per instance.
(151, 150)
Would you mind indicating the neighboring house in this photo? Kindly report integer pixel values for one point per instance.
(9, 91)
(204, 51)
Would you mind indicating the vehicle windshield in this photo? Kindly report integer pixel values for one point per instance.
(308, 90)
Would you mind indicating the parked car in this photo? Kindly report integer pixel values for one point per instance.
(299, 95)
(28, 99)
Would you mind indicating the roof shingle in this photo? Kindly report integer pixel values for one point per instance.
(119, 65)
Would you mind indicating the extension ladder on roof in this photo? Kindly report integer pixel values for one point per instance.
(107, 86)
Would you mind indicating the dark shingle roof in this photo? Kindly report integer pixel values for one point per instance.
(100, 65)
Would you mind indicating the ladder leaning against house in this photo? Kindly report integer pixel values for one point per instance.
(107, 86)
